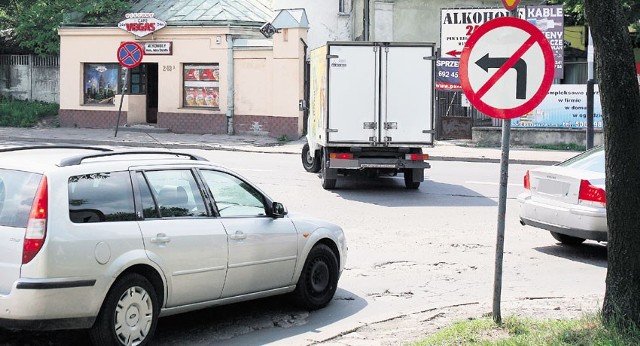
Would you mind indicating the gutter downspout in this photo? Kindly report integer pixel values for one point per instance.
(230, 84)
(306, 89)
(366, 21)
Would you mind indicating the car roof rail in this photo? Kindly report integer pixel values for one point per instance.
(35, 147)
(76, 160)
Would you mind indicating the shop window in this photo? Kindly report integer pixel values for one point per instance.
(201, 87)
(100, 83)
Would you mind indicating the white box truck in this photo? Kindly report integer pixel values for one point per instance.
(371, 110)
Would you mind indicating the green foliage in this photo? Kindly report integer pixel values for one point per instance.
(588, 330)
(35, 22)
(18, 113)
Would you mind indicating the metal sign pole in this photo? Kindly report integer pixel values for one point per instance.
(124, 89)
(502, 210)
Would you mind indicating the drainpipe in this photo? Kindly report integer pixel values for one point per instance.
(306, 87)
(365, 21)
(230, 84)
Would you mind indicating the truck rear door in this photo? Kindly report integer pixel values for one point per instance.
(353, 93)
(407, 94)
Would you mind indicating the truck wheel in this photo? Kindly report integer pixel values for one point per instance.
(327, 184)
(310, 164)
(129, 313)
(408, 180)
(567, 239)
(319, 279)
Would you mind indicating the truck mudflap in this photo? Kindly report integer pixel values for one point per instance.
(365, 163)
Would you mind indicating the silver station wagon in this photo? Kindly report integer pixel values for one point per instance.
(112, 240)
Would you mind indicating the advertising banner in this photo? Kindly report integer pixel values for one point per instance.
(550, 20)
(447, 74)
(565, 106)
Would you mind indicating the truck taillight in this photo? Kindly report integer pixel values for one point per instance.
(591, 194)
(37, 224)
(527, 183)
(341, 156)
(416, 157)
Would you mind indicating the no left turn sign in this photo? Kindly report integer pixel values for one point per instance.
(506, 67)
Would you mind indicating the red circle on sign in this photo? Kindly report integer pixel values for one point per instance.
(547, 79)
(130, 54)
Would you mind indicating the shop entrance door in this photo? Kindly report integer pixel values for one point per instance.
(152, 93)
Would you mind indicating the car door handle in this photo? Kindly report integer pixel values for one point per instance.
(160, 238)
(239, 235)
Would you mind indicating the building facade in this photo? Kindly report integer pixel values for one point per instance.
(209, 70)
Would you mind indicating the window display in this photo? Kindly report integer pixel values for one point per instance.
(100, 83)
(201, 85)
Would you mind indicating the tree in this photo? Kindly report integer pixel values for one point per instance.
(34, 24)
(620, 99)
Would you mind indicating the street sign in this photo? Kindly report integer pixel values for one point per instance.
(130, 54)
(510, 4)
(506, 67)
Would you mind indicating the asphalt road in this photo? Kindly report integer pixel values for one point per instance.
(408, 251)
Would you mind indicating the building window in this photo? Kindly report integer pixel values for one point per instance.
(201, 85)
(341, 8)
(137, 84)
(100, 83)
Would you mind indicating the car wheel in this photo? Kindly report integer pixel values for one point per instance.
(567, 239)
(327, 184)
(128, 315)
(310, 164)
(408, 180)
(318, 280)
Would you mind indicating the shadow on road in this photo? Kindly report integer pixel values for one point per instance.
(253, 323)
(219, 324)
(589, 253)
(391, 192)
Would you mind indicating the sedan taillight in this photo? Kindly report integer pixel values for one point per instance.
(527, 183)
(591, 194)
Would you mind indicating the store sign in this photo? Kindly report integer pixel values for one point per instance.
(550, 20)
(158, 48)
(141, 24)
(447, 78)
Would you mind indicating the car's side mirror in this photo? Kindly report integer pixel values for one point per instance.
(278, 209)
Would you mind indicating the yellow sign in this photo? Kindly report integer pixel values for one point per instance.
(510, 5)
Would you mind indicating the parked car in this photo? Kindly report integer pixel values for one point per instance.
(112, 240)
(568, 199)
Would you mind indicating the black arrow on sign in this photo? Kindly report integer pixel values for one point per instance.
(521, 72)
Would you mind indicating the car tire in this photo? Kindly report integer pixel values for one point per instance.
(129, 314)
(310, 164)
(567, 239)
(327, 184)
(319, 279)
(408, 180)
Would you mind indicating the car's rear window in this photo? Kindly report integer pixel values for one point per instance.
(592, 160)
(101, 197)
(17, 191)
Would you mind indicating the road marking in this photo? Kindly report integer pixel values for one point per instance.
(488, 183)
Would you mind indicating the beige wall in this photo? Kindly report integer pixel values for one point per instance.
(268, 81)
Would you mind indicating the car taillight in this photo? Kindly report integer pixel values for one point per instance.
(527, 183)
(341, 156)
(416, 157)
(37, 224)
(592, 194)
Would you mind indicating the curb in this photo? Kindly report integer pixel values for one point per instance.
(250, 149)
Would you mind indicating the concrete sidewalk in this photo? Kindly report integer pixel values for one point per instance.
(148, 137)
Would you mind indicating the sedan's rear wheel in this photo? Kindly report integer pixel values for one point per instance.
(567, 239)
(318, 280)
(129, 314)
